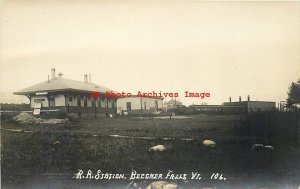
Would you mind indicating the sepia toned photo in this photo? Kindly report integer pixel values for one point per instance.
(113, 94)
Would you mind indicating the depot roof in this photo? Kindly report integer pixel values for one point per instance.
(62, 84)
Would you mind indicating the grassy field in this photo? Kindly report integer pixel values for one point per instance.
(31, 157)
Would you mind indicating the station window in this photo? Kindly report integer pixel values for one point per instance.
(128, 105)
(85, 101)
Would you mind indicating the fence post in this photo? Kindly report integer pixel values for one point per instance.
(296, 128)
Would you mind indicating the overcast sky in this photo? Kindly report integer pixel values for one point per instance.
(225, 48)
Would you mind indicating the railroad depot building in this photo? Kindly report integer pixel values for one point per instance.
(68, 97)
(139, 105)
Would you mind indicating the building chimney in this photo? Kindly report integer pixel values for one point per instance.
(240, 98)
(85, 78)
(60, 75)
(229, 99)
(52, 73)
(248, 97)
(90, 79)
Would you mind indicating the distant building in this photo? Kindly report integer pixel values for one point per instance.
(282, 106)
(252, 106)
(240, 107)
(208, 109)
(172, 104)
(137, 105)
(68, 97)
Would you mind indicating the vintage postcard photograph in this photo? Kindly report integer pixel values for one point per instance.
(124, 94)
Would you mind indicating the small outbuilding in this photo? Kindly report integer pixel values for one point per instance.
(139, 105)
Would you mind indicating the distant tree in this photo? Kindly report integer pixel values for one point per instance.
(293, 94)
